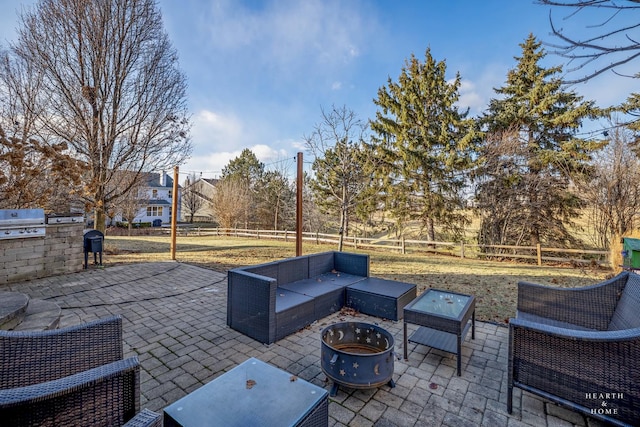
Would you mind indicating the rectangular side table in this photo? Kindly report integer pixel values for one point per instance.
(444, 317)
(380, 297)
(251, 394)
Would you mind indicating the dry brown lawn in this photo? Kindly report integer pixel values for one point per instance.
(493, 283)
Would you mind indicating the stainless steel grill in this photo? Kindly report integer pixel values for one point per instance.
(21, 223)
(65, 218)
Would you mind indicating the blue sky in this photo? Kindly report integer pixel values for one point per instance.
(259, 72)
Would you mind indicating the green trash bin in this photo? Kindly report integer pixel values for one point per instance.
(631, 253)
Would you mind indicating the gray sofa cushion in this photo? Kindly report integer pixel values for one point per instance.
(286, 300)
(327, 290)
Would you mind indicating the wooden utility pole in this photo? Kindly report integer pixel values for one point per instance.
(299, 207)
(174, 212)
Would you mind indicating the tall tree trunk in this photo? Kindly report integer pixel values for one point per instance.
(431, 229)
(99, 219)
(342, 228)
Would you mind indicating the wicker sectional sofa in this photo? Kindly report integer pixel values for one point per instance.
(271, 301)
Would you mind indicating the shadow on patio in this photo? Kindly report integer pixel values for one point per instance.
(175, 322)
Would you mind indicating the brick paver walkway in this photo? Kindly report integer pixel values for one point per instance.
(175, 322)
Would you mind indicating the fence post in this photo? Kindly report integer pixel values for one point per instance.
(539, 250)
(403, 247)
(355, 242)
(461, 249)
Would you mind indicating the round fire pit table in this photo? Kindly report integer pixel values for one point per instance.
(357, 355)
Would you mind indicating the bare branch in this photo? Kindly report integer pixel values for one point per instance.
(607, 42)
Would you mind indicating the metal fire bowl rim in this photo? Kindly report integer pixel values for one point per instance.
(362, 324)
(359, 386)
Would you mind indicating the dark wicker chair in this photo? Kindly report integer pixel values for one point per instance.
(74, 376)
(579, 347)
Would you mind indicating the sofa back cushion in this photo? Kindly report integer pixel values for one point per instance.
(320, 263)
(627, 314)
(356, 264)
(293, 269)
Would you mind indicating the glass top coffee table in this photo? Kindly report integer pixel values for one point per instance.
(444, 318)
(253, 393)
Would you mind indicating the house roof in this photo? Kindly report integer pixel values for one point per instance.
(153, 180)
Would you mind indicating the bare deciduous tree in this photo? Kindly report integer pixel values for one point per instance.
(130, 203)
(613, 193)
(313, 219)
(192, 198)
(340, 176)
(509, 215)
(230, 201)
(33, 172)
(110, 89)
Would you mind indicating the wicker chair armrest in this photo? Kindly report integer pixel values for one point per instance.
(576, 334)
(34, 357)
(590, 306)
(568, 366)
(145, 418)
(251, 304)
(241, 283)
(106, 395)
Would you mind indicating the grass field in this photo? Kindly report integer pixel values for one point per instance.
(493, 283)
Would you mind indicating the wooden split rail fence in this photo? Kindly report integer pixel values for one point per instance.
(537, 253)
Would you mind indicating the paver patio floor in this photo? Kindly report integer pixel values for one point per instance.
(175, 322)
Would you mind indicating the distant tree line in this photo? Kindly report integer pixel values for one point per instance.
(422, 165)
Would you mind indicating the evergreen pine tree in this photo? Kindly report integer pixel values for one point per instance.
(423, 143)
(531, 154)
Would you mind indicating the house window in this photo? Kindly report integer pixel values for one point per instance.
(169, 194)
(154, 194)
(154, 210)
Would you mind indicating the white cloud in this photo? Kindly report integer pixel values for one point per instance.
(291, 36)
(296, 145)
(220, 137)
(211, 130)
(470, 98)
(267, 154)
(336, 86)
(477, 86)
(212, 163)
